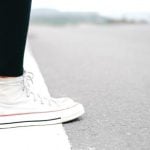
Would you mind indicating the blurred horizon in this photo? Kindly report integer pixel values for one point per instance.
(113, 9)
(57, 17)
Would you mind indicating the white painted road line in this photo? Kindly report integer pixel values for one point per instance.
(50, 137)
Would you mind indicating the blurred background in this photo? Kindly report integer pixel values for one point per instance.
(90, 11)
(98, 53)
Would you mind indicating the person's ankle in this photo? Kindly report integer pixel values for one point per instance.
(6, 77)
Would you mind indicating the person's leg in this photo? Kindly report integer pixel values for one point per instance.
(20, 105)
(14, 16)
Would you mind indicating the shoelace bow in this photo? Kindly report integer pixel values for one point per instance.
(28, 88)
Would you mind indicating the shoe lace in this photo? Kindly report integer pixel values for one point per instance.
(28, 82)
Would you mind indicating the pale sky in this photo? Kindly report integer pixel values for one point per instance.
(102, 6)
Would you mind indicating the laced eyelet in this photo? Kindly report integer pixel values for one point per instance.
(28, 88)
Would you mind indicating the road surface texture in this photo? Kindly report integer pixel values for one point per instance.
(107, 69)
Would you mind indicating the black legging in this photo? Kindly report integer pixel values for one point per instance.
(14, 21)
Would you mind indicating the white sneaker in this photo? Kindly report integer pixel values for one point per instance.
(20, 106)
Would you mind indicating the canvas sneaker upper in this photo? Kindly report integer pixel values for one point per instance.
(17, 95)
(21, 105)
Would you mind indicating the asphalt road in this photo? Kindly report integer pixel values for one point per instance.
(107, 69)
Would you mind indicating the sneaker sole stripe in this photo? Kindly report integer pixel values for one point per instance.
(29, 113)
(41, 119)
(18, 122)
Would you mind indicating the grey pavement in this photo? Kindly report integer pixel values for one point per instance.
(107, 69)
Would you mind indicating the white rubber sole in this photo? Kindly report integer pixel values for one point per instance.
(41, 118)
